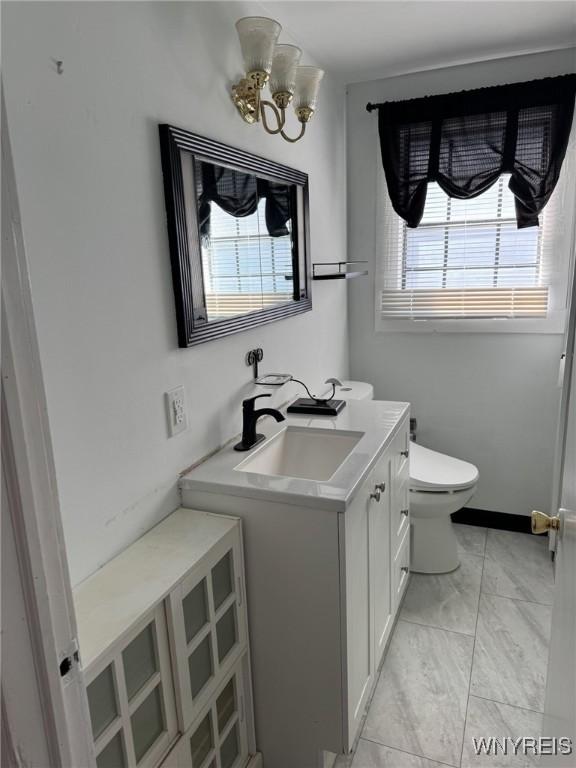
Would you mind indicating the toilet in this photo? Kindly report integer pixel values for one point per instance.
(439, 485)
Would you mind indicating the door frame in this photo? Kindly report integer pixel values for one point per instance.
(34, 509)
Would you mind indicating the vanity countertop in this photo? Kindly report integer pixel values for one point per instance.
(379, 420)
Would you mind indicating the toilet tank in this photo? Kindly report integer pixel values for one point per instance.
(361, 390)
(355, 390)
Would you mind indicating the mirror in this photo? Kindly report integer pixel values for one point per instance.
(238, 233)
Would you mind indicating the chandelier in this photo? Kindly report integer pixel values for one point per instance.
(267, 62)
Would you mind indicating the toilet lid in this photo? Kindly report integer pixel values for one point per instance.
(435, 471)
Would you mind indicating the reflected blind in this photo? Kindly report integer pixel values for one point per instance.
(467, 259)
(244, 268)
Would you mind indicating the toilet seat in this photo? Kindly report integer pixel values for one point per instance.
(435, 472)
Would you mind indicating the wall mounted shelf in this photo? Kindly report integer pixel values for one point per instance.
(341, 274)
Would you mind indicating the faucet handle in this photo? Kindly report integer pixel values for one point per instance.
(249, 402)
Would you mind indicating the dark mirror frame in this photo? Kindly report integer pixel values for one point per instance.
(187, 279)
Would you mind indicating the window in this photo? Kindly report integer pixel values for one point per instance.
(468, 267)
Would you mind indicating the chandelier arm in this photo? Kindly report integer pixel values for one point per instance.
(279, 115)
(297, 138)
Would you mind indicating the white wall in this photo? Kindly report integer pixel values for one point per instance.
(87, 162)
(488, 398)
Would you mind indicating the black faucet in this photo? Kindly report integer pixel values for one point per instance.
(249, 418)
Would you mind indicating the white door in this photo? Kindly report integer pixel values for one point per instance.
(36, 586)
(560, 706)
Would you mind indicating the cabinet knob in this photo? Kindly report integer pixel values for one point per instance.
(375, 495)
(404, 512)
(404, 569)
(380, 487)
(405, 453)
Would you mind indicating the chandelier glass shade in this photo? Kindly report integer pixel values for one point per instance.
(267, 62)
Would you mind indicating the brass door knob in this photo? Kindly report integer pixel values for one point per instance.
(541, 522)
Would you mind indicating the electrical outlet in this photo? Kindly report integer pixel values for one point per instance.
(176, 411)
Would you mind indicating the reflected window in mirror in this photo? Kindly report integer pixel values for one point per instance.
(245, 226)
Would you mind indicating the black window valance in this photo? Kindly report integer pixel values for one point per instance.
(239, 194)
(464, 141)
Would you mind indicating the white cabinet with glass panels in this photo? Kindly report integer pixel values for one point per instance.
(209, 624)
(164, 645)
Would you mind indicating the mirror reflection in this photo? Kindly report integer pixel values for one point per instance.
(246, 244)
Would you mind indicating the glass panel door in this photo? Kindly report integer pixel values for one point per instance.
(209, 626)
(131, 699)
(218, 736)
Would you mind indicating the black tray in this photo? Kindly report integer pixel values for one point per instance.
(316, 408)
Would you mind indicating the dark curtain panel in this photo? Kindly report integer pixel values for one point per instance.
(239, 194)
(464, 141)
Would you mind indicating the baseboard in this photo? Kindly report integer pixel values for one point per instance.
(488, 519)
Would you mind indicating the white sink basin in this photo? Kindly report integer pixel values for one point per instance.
(314, 454)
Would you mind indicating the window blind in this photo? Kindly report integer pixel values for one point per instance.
(468, 260)
(244, 268)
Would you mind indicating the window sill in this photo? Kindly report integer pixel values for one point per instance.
(554, 324)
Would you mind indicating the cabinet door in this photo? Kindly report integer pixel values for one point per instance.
(131, 698)
(401, 571)
(380, 580)
(218, 737)
(400, 479)
(359, 660)
(208, 625)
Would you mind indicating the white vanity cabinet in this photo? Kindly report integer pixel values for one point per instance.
(324, 588)
(164, 645)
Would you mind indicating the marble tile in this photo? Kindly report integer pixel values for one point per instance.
(447, 600)
(511, 651)
(489, 719)
(419, 705)
(471, 538)
(372, 755)
(518, 565)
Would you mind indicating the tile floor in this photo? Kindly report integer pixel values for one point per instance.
(467, 658)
